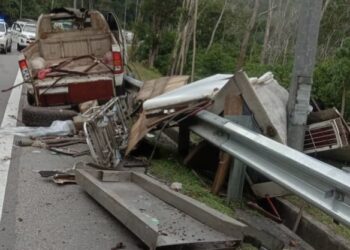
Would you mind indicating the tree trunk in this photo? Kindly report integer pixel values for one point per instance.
(186, 36)
(263, 59)
(175, 51)
(156, 30)
(194, 39)
(244, 45)
(216, 26)
(324, 8)
(343, 100)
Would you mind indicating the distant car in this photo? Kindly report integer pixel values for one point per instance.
(5, 37)
(23, 32)
(27, 36)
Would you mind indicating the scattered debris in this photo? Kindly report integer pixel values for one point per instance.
(328, 135)
(58, 128)
(107, 132)
(63, 179)
(58, 176)
(69, 151)
(177, 186)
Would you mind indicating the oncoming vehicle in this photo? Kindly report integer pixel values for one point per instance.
(17, 29)
(74, 59)
(27, 36)
(5, 37)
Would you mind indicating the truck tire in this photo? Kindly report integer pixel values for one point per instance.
(10, 47)
(44, 116)
(5, 49)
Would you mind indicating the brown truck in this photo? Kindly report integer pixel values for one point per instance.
(75, 58)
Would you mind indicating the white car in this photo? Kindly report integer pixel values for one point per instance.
(5, 37)
(27, 36)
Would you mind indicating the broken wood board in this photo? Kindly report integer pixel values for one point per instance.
(145, 124)
(158, 215)
(156, 87)
(267, 100)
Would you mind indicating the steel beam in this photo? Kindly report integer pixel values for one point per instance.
(321, 184)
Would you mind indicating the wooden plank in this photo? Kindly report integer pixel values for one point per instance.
(233, 106)
(130, 217)
(193, 208)
(156, 87)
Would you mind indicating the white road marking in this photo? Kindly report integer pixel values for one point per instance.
(6, 142)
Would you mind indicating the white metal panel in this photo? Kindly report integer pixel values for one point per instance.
(198, 90)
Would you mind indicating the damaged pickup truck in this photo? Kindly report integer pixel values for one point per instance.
(76, 58)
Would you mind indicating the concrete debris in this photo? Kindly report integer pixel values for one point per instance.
(177, 186)
(159, 216)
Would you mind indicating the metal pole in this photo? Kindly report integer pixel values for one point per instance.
(75, 4)
(304, 63)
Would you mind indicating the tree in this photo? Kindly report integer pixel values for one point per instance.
(216, 26)
(341, 71)
(250, 27)
(263, 59)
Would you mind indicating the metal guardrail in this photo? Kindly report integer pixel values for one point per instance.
(321, 184)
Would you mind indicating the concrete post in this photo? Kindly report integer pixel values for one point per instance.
(304, 63)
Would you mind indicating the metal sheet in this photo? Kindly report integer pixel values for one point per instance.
(206, 88)
(321, 184)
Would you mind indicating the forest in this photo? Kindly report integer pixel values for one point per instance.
(205, 37)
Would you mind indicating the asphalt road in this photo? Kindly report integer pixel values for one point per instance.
(38, 214)
(8, 72)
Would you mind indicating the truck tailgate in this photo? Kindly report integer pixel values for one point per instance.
(74, 90)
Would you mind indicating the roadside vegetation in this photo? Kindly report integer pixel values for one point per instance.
(320, 216)
(170, 170)
(258, 35)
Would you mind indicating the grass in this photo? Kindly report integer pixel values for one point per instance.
(143, 73)
(171, 171)
(320, 216)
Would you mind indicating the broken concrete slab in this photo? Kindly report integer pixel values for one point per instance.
(156, 214)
